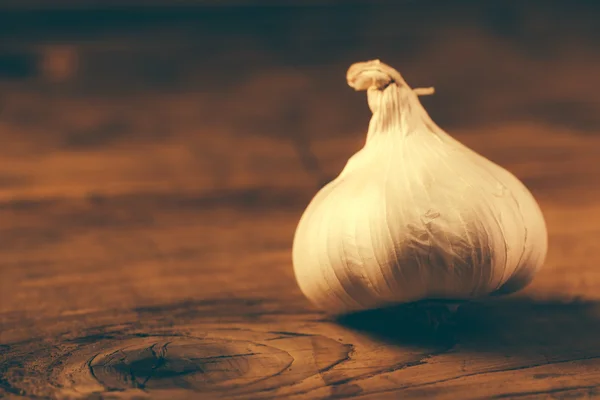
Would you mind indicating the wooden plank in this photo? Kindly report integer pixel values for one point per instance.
(145, 240)
(170, 269)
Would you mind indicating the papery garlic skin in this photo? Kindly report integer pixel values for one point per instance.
(414, 214)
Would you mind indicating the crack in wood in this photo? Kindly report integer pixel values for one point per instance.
(400, 389)
(590, 388)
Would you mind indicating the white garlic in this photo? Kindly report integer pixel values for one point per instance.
(414, 214)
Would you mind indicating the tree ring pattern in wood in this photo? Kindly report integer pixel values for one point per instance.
(239, 362)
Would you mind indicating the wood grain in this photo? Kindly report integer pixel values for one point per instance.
(145, 235)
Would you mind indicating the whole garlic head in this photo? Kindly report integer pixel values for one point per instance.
(414, 214)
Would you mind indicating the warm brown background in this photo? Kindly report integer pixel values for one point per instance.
(155, 161)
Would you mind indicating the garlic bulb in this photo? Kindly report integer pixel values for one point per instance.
(414, 214)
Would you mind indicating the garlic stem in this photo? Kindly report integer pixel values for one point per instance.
(424, 91)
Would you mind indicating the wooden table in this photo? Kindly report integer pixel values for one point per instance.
(145, 243)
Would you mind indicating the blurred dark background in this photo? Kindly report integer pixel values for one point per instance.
(98, 73)
(534, 49)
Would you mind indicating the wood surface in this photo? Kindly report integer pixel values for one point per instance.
(145, 234)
